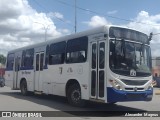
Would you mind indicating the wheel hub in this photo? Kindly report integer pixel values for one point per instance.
(76, 95)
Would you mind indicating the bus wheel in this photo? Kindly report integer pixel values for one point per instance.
(2, 84)
(24, 87)
(74, 96)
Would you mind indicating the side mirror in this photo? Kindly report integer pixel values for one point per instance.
(150, 36)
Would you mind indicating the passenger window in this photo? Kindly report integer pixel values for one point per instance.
(37, 62)
(47, 55)
(57, 53)
(94, 55)
(23, 58)
(77, 50)
(10, 62)
(101, 55)
(27, 58)
(41, 61)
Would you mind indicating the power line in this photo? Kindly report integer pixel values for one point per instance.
(114, 17)
(91, 11)
(156, 34)
(75, 15)
(53, 14)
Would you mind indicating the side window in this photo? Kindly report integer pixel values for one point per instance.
(77, 50)
(41, 61)
(10, 61)
(23, 58)
(94, 55)
(27, 58)
(101, 55)
(47, 55)
(37, 62)
(57, 53)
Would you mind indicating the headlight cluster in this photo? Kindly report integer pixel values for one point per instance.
(115, 84)
(150, 87)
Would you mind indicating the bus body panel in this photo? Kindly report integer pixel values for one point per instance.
(57, 76)
(9, 79)
(93, 75)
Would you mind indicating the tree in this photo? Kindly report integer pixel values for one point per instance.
(2, 59)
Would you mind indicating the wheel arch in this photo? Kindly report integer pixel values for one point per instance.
(69, 83)
(22, 79)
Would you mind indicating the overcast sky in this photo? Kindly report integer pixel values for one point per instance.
(22, 22)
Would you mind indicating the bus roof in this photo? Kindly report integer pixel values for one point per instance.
(63, 38)
(96, 30)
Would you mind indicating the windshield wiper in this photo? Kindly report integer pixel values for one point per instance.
(113, 57)
(114, 52)
(141, 53)
(123, 52)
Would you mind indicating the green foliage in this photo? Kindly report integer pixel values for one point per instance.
(2, 59)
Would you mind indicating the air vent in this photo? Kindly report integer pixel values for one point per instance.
(132, 89)
(134, 82)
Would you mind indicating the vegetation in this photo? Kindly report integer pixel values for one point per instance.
(2, 59)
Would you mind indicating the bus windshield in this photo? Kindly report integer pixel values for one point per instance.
(128, 34)
(126, 56)
(129, 52)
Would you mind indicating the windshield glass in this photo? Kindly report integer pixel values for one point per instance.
(128, 34)
(128, 56)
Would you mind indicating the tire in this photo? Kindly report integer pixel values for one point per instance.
(24, 90)
(74, 96)
(3, 85)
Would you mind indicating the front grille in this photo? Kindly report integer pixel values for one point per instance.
(132, 89)
(134, 82)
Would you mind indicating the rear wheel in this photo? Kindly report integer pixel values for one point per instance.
(24, 90)
(74, 96)
(2, 84)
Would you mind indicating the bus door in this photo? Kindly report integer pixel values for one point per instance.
(97, 70)
(16, 71)
(38, 70)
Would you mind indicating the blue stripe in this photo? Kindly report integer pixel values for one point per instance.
(9, 69)
(26, 68)
(114, 95)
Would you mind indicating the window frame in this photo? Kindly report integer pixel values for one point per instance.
(58, 48)
(77, 45)
(10, 62)
(27, 62)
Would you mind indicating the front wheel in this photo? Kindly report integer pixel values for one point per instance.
(74, 96)
(24, 90)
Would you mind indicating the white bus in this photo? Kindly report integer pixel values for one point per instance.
(106, 64)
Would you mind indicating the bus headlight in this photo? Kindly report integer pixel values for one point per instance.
(115, 84)
(150, 87)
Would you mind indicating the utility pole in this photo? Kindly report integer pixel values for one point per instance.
(45, 29)
(75, 27)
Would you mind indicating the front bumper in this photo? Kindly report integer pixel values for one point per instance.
(114, 95)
